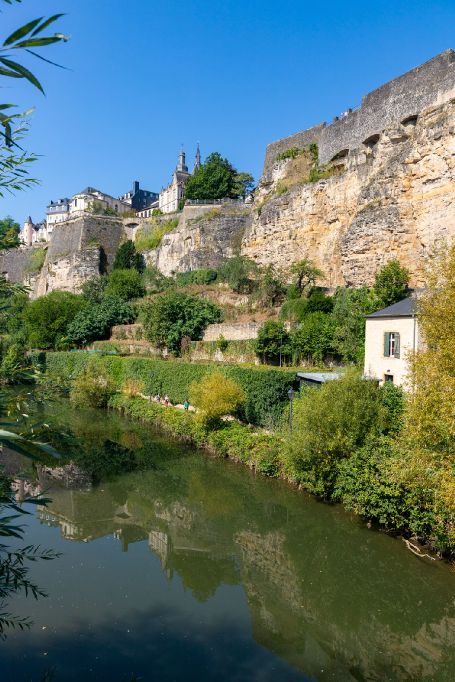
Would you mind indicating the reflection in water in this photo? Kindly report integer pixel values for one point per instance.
(325, 597)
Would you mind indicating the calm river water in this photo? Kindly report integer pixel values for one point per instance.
(176, 566)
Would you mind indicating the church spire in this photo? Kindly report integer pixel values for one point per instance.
(197, 162)
(181, 166)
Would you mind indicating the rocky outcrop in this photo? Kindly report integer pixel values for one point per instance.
(392, 197)
(204, 236)
(79, 249)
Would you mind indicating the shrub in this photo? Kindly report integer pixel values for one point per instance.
(36, 261)
(222, 343)
(125, 285)
(391, 283)
(202, 276)
(92, 388)
(272, 341)
(96, 321)
(47, 318)
(127, 258)
(329, 425)
(314, 338)
(173, 315)
(238, 272)
(150, 237)
(215, 396)
(154, 280)
(93, 289)
(291, 153)
(366, 486)
(132, 387)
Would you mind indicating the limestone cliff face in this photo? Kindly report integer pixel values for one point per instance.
(204, 236)
(392, 197)
(79, 249)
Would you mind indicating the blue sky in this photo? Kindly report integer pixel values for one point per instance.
(235, 75)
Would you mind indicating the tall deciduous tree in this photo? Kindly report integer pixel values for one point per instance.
(305, 274)
(429, 429)
(216, 178)
(9, 233)
(391, 283)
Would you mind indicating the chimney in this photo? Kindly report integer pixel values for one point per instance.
(135, 187)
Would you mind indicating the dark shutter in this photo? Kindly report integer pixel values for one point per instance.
(386, 344)
(397, 345)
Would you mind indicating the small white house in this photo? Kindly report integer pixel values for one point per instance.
(390, 335)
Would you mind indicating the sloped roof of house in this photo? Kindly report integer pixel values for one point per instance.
(405, 308)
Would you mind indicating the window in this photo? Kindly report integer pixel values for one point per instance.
(391, 345)
(388, 377)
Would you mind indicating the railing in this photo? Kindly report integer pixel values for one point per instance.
(210, 202)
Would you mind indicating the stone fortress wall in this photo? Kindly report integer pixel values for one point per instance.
(427, 85)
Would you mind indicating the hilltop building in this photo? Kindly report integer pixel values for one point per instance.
(139, 199)
(171, 195)
(35, 232)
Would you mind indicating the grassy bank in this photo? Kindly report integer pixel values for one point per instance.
(346, 445)
(266, 390)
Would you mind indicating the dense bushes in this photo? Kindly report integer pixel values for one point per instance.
(95, 321)
(330, 424)
(172, 316)
(215, 396)
(47, 318)
(265, 390)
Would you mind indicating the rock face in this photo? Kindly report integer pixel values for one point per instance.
(392, 197)
(203, 237)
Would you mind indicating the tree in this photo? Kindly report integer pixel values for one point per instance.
(314, 338)
(125, 284)
(243, 184)
(330, 424)
(271, 287)
(48, 317)
(9, 233)
(349, 310)
(173, 315)
(215, 396)
(237, 272)
(216, 178)
(305, 274)
(272, 341)
(127, 258)
(95, 321)
(93, 289)
(391, 283)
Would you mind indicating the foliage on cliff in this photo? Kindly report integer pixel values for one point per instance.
(216, 178)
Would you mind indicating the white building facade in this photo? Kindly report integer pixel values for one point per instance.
(391, 336)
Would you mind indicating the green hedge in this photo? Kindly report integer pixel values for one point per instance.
(265, 389)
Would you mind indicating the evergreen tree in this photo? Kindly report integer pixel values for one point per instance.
(127, 258)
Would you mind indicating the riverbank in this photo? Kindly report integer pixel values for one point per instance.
(345, 446)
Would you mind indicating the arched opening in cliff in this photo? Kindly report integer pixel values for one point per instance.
(132, 225)
(409, 120)
(372, 141)
(340, 156)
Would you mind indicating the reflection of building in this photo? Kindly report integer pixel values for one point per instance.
(171, 195)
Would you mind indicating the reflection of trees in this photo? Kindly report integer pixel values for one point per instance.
(323, 592)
